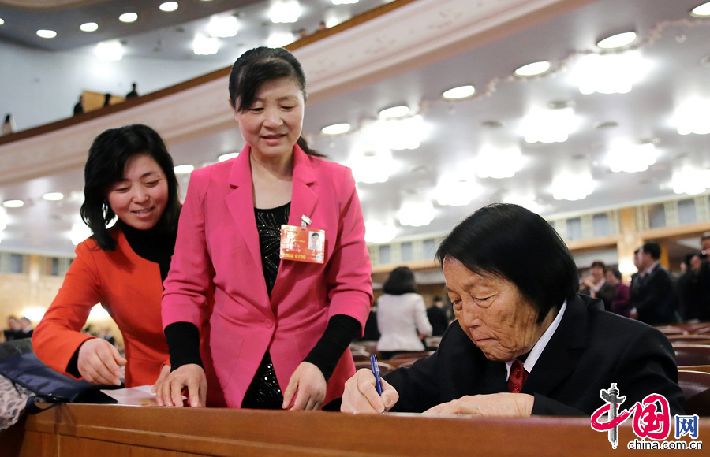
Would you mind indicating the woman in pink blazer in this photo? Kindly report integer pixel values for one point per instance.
(279, 329)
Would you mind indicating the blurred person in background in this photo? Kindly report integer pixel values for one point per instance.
(621, 301)
(401, 315)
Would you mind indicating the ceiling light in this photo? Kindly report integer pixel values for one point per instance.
(459, 92)
(396, 134)
(572, 186)
(343, 2)
(690, 181)
(222, 26)
(226, 156)
(335, 129)
(609, 73)
(394, 112)
(693, 116)
(533, 69)
(549, 125)
(168, 7)
(379, 232)
(1, 21)
(627, 157)
(128, 17)
(285, 11)
(333, 18)
(526, 200)
(499, 162)
(280, 39)
(183, 169)
(372, 166)
(53, 196)
(205, 45)
(416, 212)
(89, 27)
(620, 40)
(3, 219)
(46, 34)
(109, 51)
(701, 10)
(457, 192)
(13, 203)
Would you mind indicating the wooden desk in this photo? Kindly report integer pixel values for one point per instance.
(108, 431)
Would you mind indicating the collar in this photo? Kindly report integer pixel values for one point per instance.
(537, 349)
(650, 269)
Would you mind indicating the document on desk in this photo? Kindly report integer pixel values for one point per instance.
(133, 396)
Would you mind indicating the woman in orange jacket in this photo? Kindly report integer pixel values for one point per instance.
(129, 175)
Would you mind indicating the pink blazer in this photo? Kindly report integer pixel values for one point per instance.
(218, 247)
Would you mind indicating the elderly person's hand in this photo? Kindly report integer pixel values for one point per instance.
(168, 390)
(99, 362)
(306, 389)
(360, 395)
(500, 404)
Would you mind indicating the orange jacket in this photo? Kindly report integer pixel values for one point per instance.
(129, 287)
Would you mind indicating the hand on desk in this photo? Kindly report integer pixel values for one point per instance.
(99, 362)
(360, 395)
(500, 404)
(168, 392)
(306, 389)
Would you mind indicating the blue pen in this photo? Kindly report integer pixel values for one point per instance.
(376, 373)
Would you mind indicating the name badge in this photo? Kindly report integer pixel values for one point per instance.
(302, 244)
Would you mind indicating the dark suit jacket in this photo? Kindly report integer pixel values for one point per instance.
(654, 297)
(589, 350)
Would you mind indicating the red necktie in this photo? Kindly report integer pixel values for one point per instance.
(517, 377)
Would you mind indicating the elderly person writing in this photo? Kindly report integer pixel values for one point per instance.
(524, 342)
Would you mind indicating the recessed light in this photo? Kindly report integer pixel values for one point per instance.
(701, 10)
(222, 26)
(168, 6)
(109, 51)
(285, 11)
(456, 93)
(1, 21)
(533, 69)
(394, 112)
(46, 34)
(336, 129)
(89, 27)
(13, 203)
(183, 169)
(53, 196)
(128, 17)
(620, 40)
(226, 156)
(205, 45)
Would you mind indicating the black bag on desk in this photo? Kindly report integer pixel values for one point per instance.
(19, 365)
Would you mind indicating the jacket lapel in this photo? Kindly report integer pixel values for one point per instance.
(559, 358)
(240, 202)
(303, 197)
(303, 202)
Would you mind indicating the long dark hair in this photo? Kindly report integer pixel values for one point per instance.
(400, 281)
(259, 65)
(518, 245)
(105, 166)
